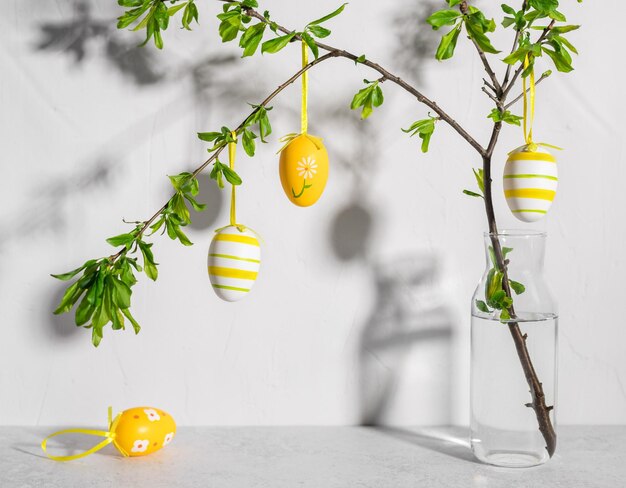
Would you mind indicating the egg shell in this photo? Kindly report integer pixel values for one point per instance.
(530, 181)
(304, 170)
(233, 263)
(143, 430)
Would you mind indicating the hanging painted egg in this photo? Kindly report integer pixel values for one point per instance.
(530, 182)
(143, 430)
(234, 261)
(304, 169)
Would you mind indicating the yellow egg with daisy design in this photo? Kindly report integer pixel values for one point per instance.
(143, 430)
(303, 169)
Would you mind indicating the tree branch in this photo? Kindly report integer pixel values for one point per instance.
(519, 70)
(387, 75)
(515, 41)
(492, 76)
(518, 97)
(215, 155)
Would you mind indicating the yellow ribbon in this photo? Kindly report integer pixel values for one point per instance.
(528, 124)
(304, 124)
(232, 149)
(529, 112)
(108, 435)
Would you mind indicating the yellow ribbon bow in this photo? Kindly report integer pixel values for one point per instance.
(109, 436)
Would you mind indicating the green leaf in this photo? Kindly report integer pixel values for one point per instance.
(319, 31)
(310, 42)
(182, 237)
(328, 16)
(251, 39)
(474, 30)
(122, 240)
(121, 293)
(84, 311)
(149, 266)
(248, 143)
(443, 17)
(230, 25)
(275, 45)
(517, 287)
(453, 3)
(208, 136)
(424, 128)
(69, 275)
(198, 207)
(448, 44)
(544, 5)
(506, 117)
(504, 314)
(230, 175)
(96, 335)
(132, 320)
(517, 56)
(175, 8)
(507, 9)
(70, 297)
(360, 59)
(480, 179)
(563, 29)
(482, 306)
(472, 194)
(561, 59)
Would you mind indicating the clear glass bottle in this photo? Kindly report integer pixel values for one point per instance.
(512, 357)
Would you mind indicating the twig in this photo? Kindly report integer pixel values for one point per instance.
(497, 88)
(519, 97)
(519, 70)
(515, 41)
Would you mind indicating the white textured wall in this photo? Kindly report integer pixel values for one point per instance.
(366, 292)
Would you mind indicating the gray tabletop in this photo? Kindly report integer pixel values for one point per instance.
(316, 457)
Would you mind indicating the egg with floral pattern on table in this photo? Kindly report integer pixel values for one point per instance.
(303, 169)
(143, 430)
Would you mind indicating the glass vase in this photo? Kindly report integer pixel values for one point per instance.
(513, 354)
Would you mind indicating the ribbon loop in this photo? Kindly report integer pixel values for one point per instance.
(304, 123)
(232, 149)
(529, 102)
(109, 437)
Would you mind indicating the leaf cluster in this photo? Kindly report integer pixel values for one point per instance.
(176, 213)
(104, 291)
(496, 297)
(424, 129)
(504, 116)
(234, 20)
(154, 16)
(367, 98)
(554, 44)
(476, 25)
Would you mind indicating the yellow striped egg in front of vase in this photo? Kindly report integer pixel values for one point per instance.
(234, 262)
(530, 182)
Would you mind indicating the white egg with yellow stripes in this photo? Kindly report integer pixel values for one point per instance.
(234, 261)
(530, 182)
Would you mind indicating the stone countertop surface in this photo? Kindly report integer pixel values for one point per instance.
(316, 457)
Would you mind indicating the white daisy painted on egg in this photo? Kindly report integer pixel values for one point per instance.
(152, 414)
(307, 167)
(140, 445)
(168, 439)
